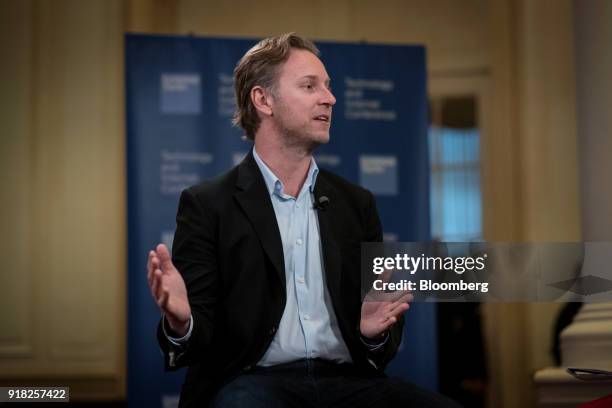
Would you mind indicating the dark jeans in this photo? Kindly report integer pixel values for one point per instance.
(318, 383)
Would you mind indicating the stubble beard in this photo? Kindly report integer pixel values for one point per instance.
(297, 138)
(301, 139)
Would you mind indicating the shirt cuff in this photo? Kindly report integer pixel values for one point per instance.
(374, 344)
(177, 341)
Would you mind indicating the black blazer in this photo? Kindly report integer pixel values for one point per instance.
(228, 248)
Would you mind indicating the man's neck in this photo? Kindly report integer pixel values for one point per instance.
(289, 163)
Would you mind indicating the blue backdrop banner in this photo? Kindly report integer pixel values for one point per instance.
(180, 101)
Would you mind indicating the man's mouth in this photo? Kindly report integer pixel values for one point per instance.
(323, 118)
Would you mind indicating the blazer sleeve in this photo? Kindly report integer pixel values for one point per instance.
(383, 355)
(194, 254)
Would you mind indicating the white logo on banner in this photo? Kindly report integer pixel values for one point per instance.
(180, 93)
(226, 103)
(379, 174)
(359, 107)
(181, 169)
(179, 82)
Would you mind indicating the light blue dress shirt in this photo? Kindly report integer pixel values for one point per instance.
(308, 327)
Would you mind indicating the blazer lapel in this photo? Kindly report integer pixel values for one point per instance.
(331, 252)
(254, 198)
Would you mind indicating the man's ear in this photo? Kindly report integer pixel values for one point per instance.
(261, 99)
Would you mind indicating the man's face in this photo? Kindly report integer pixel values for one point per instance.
(302, 100)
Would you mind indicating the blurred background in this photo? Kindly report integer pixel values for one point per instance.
(520, 95)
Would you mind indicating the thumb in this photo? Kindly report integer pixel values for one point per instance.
(164, 257)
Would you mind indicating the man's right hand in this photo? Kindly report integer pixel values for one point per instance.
(168, 290)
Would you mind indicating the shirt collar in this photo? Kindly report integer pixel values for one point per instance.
(273, 183)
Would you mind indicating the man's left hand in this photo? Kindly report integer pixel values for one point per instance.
(377, 316)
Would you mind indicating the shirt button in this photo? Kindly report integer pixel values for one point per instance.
(301, 279)
(306, 316)
(299, 241)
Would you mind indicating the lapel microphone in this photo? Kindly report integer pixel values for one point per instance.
(321, 203)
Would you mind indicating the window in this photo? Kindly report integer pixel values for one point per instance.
(454, 151)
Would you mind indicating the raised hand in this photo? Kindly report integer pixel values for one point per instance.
(377, 316)
(168, 290)
(381, 310)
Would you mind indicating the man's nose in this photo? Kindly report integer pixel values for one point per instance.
(328, 97)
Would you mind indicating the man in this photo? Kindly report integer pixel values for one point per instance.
(262, 298)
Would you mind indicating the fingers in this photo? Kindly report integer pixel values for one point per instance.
(157, 289)
(152, 264)
(407, 297)
(162, 302)
(155, 283)
(159, 263)
(393, 314)
(160, 294)
(386, 325)
(164, 257)
(398, 309)
(404, 299)
(389, 322)
(158, 259)
(393, 310)
(398, 296)
(376, 319)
